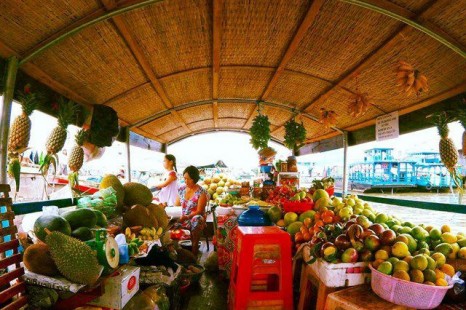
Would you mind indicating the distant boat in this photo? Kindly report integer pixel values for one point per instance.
(381, 170)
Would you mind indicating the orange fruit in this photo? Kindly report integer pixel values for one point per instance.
(448, 269)
(328, 219)
(441, 282)
(377, 263)
(307, 222)
(439, 274)
(336, 219)
(317, 216)
(328, 213)
(416, 275)
(401, 274)
(319, 223)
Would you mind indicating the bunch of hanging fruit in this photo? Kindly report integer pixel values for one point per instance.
(328, 118)
(411, 80)
(359, 104)
(20, 132)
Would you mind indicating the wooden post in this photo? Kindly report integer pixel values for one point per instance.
(345, 164)
(128, 155)
(12, 69)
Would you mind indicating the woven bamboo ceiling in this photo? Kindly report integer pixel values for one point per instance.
(176, 68)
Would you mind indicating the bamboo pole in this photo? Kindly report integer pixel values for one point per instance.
(345, 164)
(128, 155)
(12, 70)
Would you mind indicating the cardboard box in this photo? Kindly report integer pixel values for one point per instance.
(119, 288)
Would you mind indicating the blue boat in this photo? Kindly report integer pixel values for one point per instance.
(381, 170)
(430, 171)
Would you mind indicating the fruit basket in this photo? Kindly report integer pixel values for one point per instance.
(407, 293)
(297, 206)
(341, 274)
(193, 276)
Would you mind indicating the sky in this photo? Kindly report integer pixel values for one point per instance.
(232, 148)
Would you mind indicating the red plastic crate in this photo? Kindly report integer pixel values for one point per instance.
(297, 206)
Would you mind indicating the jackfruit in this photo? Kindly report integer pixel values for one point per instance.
(139, 215)
(109, 180)
(75, 260)
(159, 213)
(37, 259)
(137, 194)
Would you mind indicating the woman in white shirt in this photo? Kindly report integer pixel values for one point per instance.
(168, 188)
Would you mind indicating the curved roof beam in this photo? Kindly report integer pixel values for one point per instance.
(223, 101)
(85, 22)
(213, 130)
(394, 11)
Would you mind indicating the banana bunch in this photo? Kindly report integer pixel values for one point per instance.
(133, 246)
(150, 233)
(328, 118)
(359, 105)
(129, 234)
(410, 80)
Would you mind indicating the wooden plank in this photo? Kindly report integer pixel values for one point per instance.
(293, 46)
(5, 201)
(12, 291)
(5, 188)
(11, 230)
(17, 303)
(10, 215)
(11, 260)
(10, 276)
(9, 245)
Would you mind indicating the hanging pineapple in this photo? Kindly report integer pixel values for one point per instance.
(328, 118)
(411, 80)
(76, 159)
(20, 132)
(56, 140)
(448, 151)
(359, 105)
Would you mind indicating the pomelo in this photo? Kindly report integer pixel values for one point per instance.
(320, 193)
(290, 217)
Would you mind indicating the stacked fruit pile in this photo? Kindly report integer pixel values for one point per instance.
(350, 230)
(280, 195)
(219, 184)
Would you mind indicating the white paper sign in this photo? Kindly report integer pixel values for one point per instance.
(387, 126)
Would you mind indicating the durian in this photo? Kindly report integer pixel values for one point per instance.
(75, 260)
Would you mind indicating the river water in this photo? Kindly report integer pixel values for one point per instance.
(457, 221)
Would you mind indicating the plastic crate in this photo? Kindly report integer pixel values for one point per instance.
(297, 206)
(342, 274)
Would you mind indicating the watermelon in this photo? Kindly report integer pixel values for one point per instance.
(52, 223)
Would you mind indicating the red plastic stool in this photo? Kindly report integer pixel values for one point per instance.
(261, 276)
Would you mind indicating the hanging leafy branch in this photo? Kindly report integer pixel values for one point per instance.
(295, 134)
(260, 132)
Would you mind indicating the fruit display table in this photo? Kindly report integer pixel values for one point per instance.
(310, 285)
(358, 297)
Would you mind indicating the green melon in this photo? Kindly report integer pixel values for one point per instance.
(80, 218)
(52, 223)
(101, 218)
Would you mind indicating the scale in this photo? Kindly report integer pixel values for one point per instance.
(106, 248)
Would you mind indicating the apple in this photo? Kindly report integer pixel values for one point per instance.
(366, 233)
(377, 228)
(388, 237)
(358, 245)
(350, 256)
(342, 242)
(372, 243)
(367, 256)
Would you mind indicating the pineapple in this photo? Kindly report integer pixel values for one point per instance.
(77, 154)
(76, 159)
(20, 132)
(448, 152)
(57, 138)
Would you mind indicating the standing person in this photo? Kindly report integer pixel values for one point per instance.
(193, 200)
(169, 187)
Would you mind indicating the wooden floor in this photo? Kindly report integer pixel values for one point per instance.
(211, 291)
